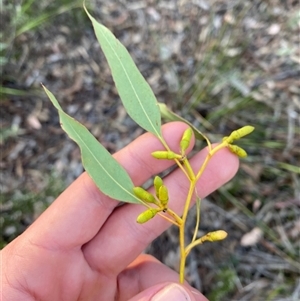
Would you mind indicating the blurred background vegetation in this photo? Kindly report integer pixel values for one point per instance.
(220, 64)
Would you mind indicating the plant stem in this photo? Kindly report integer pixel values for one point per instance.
(189, 169)
(192, 245)
(169, 219)
(182, 253)
(198, 208)
(209, 155)
(182, 228)
(181, 167)
(175, 216)
(193, 180)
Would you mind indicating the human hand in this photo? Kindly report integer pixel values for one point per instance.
(86, 247)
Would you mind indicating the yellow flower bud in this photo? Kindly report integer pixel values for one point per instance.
(240, 152)
(163, 195)
(147, 215)
(215, 235)
(144, 195)
(186, 139)
(158, 182)
(169, 155)
(238, 134)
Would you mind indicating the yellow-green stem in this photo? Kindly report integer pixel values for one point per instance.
(192, 245)
(176, 217)
(189, 169)
(163, 142)
(181, 230)
(208, 157)
(169, 219)
(180, 222)
(198, 208)
(182, 253)
(193, 180)
(181, 167)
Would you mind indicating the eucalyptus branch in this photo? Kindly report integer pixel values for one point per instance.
(140, 103)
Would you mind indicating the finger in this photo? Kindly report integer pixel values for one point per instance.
(80, 211)
(168, 291)
(121, 232)
(147, 277)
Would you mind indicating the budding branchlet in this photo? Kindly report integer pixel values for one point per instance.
(161, 200)
(235, 135)
(161, 196)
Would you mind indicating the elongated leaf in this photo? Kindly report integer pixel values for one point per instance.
(135, 92)
(109, 176)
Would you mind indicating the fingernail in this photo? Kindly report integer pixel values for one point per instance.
(172, 292)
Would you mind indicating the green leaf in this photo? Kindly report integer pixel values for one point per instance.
(136, 94)
(109, 176)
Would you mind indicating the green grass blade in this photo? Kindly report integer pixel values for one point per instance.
(136, 94)
(109, 176)
(39, 20)
(14, 92)
(289, 167)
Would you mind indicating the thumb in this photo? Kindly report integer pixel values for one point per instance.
(169, 292)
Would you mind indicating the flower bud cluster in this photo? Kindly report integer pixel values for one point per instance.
(236, 135)
(160, 199)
